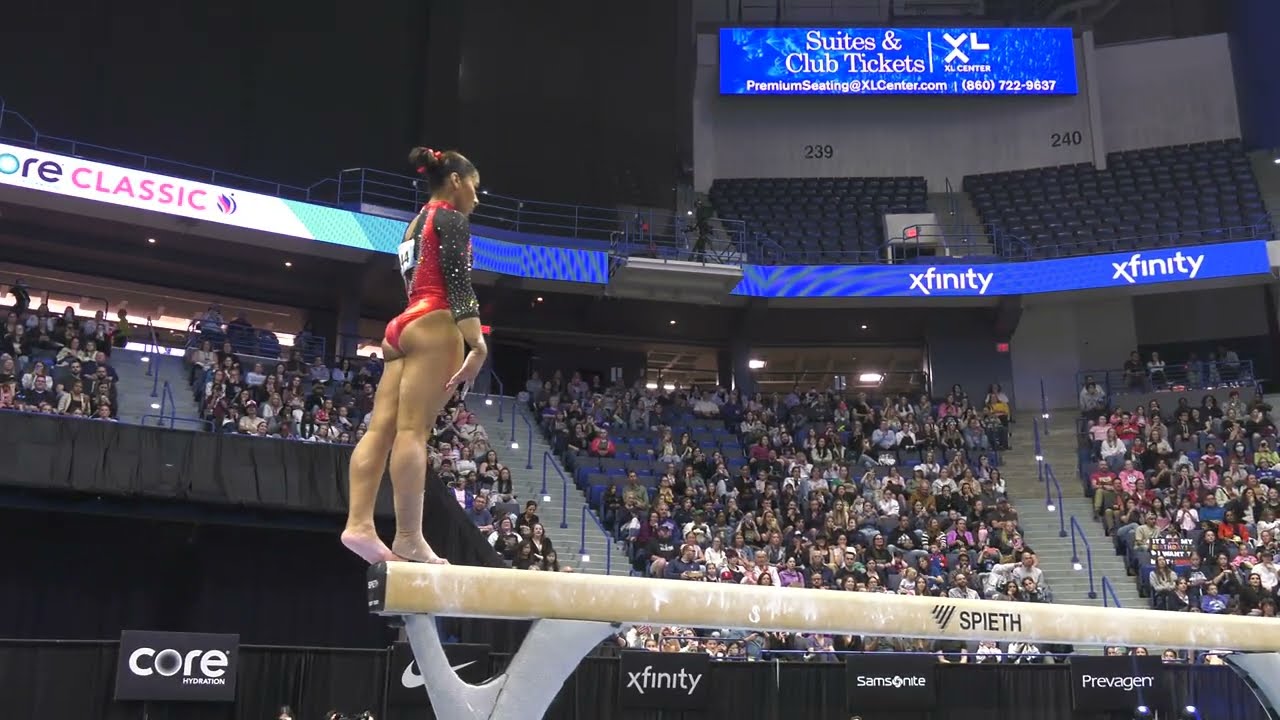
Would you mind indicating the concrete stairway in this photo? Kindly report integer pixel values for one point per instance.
(1042, 527)
(965, 235)
(134, 393)
(528, 486)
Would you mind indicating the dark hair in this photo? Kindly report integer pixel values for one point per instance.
(436, 166)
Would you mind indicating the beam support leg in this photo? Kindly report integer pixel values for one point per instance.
(549, 654)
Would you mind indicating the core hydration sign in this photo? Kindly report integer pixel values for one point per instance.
(897, 61)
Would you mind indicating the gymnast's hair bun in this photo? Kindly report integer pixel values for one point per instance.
(424, 158)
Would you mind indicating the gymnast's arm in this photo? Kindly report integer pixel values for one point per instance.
(454, 231)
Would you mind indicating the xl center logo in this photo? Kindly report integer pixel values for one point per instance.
(957, 43)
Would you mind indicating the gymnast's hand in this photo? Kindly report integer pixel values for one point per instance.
(470, 368)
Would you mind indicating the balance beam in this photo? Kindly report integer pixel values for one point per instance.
(573, 613)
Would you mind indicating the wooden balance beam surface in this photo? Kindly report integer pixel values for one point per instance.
(401, 588)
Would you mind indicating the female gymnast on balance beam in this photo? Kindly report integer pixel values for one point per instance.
(424, 360)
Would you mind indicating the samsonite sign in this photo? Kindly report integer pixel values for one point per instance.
(880, 681)
(165, 666)
(671, 681)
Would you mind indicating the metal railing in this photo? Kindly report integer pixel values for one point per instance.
(151, 346)
(1051, 483)
(167, 401)
(170, 422)
(608, 540)
(1207, 375)
(40, 296)
(549, 461)
(1077, 531)
(1044, 407)
(528, 444)
(1109, 590)
(1039, 454)
(502, 396)
(643, 231)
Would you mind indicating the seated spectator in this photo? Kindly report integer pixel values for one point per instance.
(602, 446)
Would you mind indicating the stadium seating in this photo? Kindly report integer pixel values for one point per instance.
(827, 220)
(1145, 198)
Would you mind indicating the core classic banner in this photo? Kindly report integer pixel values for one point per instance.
(897, 61)
(891, 682)
(172, 666)
(1116, 683)
(671, 681)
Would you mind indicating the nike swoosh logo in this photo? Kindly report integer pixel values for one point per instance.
(411, 679)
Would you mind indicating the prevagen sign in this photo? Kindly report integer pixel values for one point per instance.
(125, 187)
(897, 61)
(1089, 272)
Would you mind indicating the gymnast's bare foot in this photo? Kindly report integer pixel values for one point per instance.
(416, 550)
(366, 543)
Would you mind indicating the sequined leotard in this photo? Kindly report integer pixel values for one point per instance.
(435, 262)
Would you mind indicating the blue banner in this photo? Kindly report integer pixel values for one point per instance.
(897, 61)
(1089, 272)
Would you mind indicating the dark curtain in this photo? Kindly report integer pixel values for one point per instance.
(77, 680)
(176, 534)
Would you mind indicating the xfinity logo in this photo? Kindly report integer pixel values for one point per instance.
(647, 679)
(1136, 267)
(988, 622)
(895, 681)
(958, 42)
(931, 280)
(145, 662)
(1128, 683)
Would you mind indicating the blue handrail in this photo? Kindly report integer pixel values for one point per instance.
(1077, 531)
(502, 393)
(529, 443)
(1035, 434)
(166, 401)
(1044, 407)
(1202, 375)
(1108, 588)
(582, 547)
(608, 539)
(1051, 481)
(200, 425)
(151, 345)
(548, 460)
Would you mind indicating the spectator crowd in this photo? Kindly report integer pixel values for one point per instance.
(58, 364)
(809, 489)
(1189, 494)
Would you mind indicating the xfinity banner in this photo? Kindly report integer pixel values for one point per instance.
(469, 661)
(958, 279)
(891, 682)
(897, 61)
(1116, 683)
(165, 666)
(671, 681)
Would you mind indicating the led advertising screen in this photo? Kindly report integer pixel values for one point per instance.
(897, 61)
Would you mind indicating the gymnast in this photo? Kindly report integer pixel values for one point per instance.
(423, 347)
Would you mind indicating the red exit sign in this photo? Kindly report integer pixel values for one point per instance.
(486, 329)
(1002, 347)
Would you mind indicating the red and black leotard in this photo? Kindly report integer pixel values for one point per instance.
(435, 262)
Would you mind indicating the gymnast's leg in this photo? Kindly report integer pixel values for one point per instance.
(369, 462)
(433, 349)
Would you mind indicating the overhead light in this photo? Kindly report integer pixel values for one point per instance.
(1142, 712)
(546, 498)
(538, 299)
(1190, 713)
(488, 401)
(155, 406)
(688, 212)
(151, 240)
(1051, 507)
(755, 364)
(144, 358)
(673, 322)
(585, 558)
(870, 377)
(515, 446)
(864, 327)
(651, 386)
(1075, 565)
(484, 192)
(1276, 159)
(669, 387)
(288, 264)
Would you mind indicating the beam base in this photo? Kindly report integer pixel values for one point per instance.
(547, 657)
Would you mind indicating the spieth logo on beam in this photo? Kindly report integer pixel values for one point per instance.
(1001, 622)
